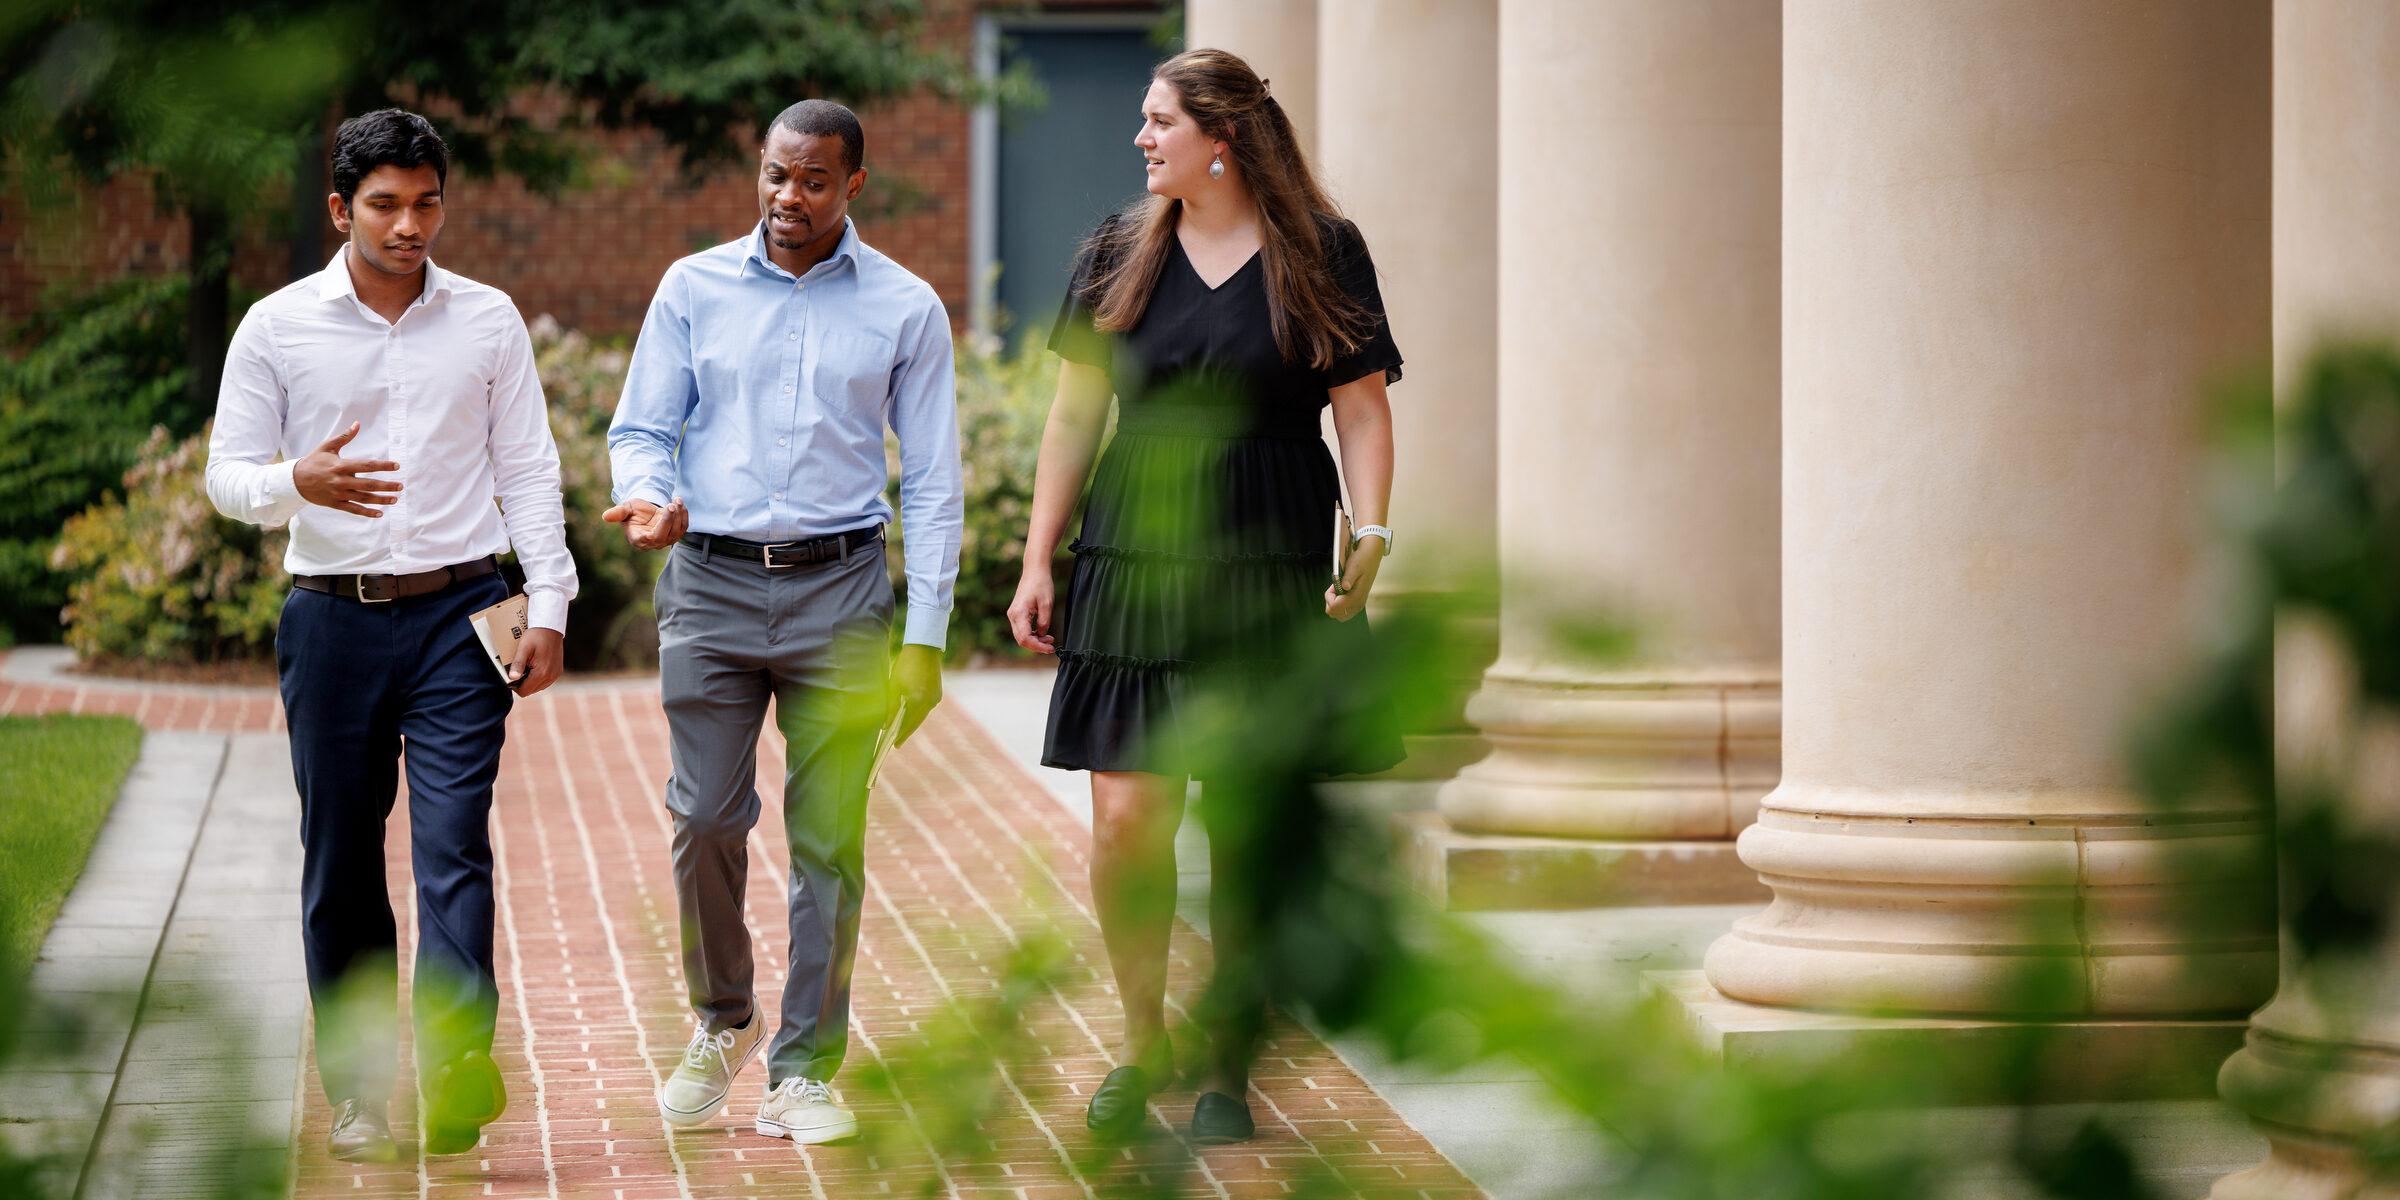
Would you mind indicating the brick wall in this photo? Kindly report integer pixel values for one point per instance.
(591, 257)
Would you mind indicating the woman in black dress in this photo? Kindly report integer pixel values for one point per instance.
(1224, 313)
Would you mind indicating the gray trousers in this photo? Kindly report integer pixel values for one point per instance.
(732, 635)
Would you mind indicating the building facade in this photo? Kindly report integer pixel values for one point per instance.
(1857, 352)
(936, 199)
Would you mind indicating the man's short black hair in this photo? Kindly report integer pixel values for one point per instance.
(824, 118)
(387, 136)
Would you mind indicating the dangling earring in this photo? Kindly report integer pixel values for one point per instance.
(1216, 167)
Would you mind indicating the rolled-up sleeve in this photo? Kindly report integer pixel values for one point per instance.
(525, 478)
(243, 478)
(932, 499)
(660, 390)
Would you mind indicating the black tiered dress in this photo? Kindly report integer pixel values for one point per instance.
(1207, 540)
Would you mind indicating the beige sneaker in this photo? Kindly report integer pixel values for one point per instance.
(699, 1086)
(803, 1110)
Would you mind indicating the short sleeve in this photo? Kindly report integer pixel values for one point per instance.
(1354, 272)
(1075, 337)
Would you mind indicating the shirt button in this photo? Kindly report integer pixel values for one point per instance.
(787, 387)
(779, 495)
(791, 337)
(778, 441)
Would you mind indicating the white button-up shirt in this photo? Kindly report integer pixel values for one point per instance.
(448, 391)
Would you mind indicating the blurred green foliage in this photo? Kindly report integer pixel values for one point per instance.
(226, 107)
(85, 381)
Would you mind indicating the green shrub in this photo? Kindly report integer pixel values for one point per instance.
(87, 379)
(160, 577)
(611, 626)
(1003, 402)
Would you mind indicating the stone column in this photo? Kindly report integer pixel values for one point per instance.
(1434, 237)
(2019, 240)
(2322, 1079)
(1278, 38)
(1638, 425)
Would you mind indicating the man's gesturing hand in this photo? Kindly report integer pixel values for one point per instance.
(647, 526)
(325, 477)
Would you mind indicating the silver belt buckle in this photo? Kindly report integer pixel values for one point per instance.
(767, 556)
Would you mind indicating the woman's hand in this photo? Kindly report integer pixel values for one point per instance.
(1029, 613)
(1349, 598)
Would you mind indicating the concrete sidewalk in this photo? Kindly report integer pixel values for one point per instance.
(168, 1008)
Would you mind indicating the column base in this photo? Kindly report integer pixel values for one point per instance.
(1464, 871)
(2321, 1103)
(1643, 756)
(2301, 1167)
(1983, 1062)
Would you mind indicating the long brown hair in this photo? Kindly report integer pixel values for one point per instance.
(1314, 319)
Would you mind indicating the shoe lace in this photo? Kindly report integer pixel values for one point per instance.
(803, 1090)
(708, 1046)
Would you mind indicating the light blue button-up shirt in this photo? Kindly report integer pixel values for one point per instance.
(761, 400)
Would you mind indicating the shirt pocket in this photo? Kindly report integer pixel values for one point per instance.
(853, 370)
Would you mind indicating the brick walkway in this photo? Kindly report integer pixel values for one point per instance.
(965, 853)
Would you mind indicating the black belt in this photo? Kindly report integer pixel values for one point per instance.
(832, 547)
(378, 589)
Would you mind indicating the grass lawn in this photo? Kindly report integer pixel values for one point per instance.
(59, 776)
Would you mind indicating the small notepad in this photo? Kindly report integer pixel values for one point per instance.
(500, 628)
(885, 739)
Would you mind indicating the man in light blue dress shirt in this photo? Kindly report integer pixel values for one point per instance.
(750, 441)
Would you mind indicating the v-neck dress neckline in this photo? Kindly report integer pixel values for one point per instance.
(1221, 284)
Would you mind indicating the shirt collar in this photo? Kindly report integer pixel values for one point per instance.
(843, 250)
(334, 282)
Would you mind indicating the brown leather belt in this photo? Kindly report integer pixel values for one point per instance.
(379, 589)
(777, 556)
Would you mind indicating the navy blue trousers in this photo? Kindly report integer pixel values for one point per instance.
(367, 688)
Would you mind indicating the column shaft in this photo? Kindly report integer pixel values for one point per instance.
(1637, 422)
(2019, 239)
(1428, 215)
(2321, 1071)
(1278, 38)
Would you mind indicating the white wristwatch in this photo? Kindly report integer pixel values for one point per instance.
(1378, 531)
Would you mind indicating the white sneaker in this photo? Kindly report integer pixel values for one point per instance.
(699, 1086)
(803, 1110)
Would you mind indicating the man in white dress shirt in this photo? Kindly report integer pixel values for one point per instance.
(381, 407)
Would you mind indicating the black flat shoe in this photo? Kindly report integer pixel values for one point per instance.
(361, 1133)
(1219, 1119)
(1120, 1100)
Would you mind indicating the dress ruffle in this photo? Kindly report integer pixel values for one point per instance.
(1203, 564)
